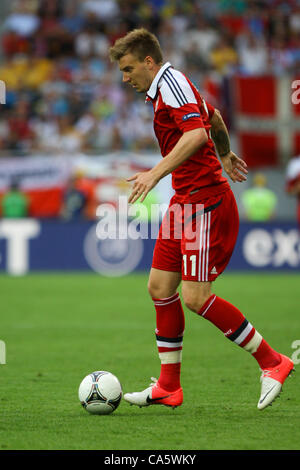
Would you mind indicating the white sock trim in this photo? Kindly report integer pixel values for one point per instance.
(254, 343)
(162, 303)
(210, 304)
(171, 357)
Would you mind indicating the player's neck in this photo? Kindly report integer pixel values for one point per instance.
(154, 71)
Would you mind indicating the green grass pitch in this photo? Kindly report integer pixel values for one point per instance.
(58, 328)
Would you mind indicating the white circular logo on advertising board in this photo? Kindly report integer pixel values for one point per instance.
(112, 257)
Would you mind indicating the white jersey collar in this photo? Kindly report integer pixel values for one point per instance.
(152, 92)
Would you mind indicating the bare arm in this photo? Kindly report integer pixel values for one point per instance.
(234, 166)
(186, 146)
(219, 134)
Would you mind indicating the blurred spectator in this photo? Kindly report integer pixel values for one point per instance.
(21, 133)
(232, 16)
(72, 22)
(233, 7)
(4, 133)
(46, 131)
(68, 140)
(253, 54)
(294, 20)
(281, 56)
(14, 203)
(22, 21)
(255, 19)
(91, 40)
(199, 40)
(51, 37)
(293, 181)
(74, 200)
(295, 53)
(37, 71)
(224, 57)
(259, 202)
(106, 10)
(12, 71)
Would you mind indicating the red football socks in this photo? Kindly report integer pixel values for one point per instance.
(238, 329)
(266, 356)
(169, 336)
(169, 378)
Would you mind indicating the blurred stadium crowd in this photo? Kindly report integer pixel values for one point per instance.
(64, 95)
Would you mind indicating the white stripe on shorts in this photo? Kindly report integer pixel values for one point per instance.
(204, 246)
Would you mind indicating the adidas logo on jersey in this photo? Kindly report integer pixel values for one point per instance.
(214, 271)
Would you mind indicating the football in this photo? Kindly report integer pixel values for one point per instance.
(100, 393)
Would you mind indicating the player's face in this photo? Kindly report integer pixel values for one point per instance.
(137, 74)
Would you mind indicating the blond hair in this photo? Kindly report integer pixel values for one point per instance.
(139, 43)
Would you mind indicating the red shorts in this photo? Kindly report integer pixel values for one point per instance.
(198, 239)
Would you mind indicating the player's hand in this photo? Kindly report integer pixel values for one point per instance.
(235, 167)
(143, 183)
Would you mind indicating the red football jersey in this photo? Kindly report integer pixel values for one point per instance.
(178, 108)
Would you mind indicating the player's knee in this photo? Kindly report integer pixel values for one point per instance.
(194, 300)
(192, 303)
(152, 288)
(157, 290)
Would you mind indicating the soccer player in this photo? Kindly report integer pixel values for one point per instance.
(188, 130)
(293, 181)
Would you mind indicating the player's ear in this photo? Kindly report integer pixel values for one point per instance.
(149, 61)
